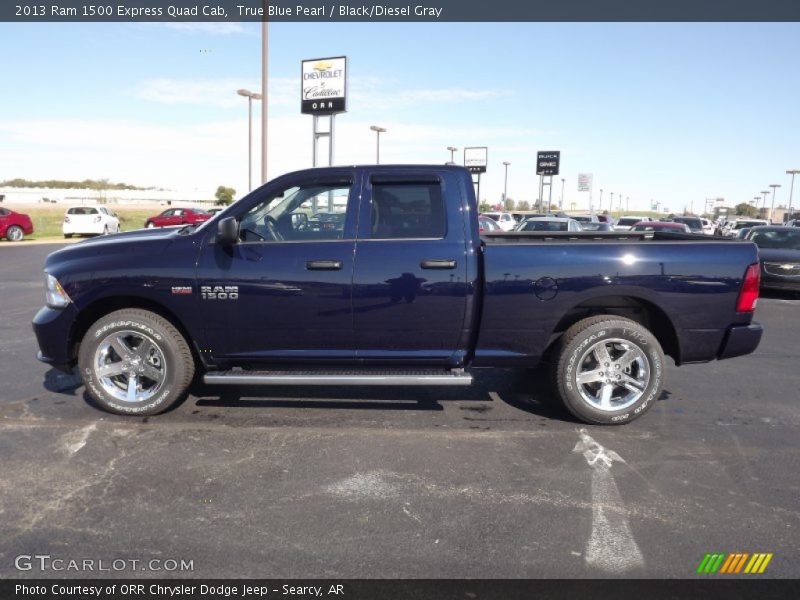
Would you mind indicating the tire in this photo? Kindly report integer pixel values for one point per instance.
(67, 235)
(105, 230)
(143, 343)
(634, 375)
(149, 225)
(15, 233)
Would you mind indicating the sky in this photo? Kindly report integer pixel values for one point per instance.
(674, 113)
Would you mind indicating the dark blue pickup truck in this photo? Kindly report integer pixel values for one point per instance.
(377, 275)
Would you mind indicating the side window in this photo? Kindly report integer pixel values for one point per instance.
(301, 213)
(407, 210)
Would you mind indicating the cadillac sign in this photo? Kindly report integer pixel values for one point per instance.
(323, 86)
(476, 159)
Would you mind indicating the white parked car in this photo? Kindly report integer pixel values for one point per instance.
(708, 226)
(89, 220)
(625, 223)
(505, 220)
(732, 227)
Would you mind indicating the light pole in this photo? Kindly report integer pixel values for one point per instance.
(264, 64)
(505, 182)
(453, 150)
(600, 203)
(764, 199)
(250, 97)
(774, 187)
(561, 204)
(378, 131)
(611, 203)
(791, 172)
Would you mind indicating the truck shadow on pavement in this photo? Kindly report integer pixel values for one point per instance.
(522, 389)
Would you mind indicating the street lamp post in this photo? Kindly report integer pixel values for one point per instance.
(600, 202)
(791, 172)
(561, 204)
(264, 104)
(774, 187)
(378, 131)
(250, 97)
(453, 150)
(764, 199)
(505, 182)
(611, 203)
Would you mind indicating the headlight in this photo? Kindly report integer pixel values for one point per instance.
(56, 296)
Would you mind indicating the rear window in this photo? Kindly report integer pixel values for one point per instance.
(544, 226)
(627, 221)
(82, 210)
(692, 223)
(407, 210)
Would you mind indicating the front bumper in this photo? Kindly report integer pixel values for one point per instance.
(53, 330)
(740, 340)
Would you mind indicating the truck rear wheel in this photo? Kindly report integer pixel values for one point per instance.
(135, 362)
(609, 371)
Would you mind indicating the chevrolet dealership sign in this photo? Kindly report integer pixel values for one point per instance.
(323, 87)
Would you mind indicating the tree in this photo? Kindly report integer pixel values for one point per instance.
(523, 205)
(224, 195)
(509, 204)
(746, 210)
(484, 207)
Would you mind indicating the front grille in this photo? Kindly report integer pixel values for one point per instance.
(782, 269)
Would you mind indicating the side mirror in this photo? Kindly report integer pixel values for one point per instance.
(228, 231)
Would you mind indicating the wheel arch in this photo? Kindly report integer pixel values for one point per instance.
(103, 306)
(638, 309)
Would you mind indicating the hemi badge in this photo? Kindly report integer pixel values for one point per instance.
(179, 290)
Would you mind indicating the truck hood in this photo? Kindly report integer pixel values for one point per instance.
(142, 242)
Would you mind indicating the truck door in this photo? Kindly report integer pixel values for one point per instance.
(410, 284)
(283, 293)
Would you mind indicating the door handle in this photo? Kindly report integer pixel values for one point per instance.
(324, 265)
(433, 263)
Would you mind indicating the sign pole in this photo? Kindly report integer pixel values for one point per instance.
(541, 193)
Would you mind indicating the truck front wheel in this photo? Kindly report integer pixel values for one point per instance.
(135, 362)
(610, 370)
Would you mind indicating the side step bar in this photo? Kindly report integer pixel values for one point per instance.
(344, 377)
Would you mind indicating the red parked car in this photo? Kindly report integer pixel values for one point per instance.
(178, 216)
(14, 225)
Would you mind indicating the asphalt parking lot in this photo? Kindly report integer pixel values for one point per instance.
(492, 481)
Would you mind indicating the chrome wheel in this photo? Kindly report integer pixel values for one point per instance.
(14, 233)
(612, 374)
(130, 366)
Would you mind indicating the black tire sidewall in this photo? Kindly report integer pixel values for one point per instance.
(171, 390)
(574, 349)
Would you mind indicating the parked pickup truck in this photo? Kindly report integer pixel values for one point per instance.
(404, 291)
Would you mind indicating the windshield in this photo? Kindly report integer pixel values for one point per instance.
(777, 239)
(627, 221)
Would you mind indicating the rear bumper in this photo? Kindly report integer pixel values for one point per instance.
(53, 328)
(740, 340)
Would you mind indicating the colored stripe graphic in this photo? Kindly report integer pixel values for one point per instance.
(741, 563)
(724, 563)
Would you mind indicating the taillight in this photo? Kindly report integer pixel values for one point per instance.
(66, 219)
(748, 295)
